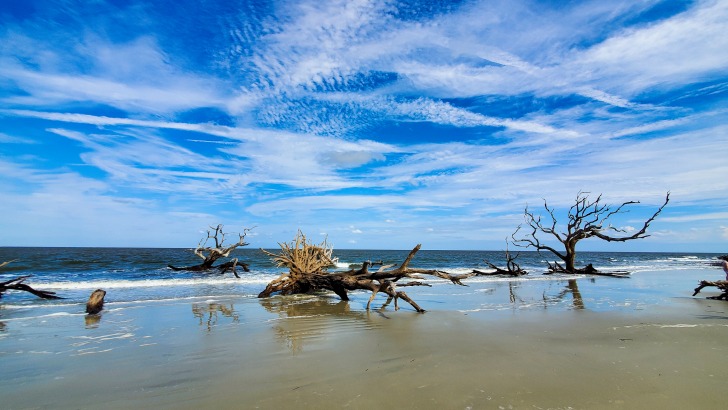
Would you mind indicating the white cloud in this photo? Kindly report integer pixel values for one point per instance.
(682, 49)
(134, 75)
(712, 216)
(10, 139)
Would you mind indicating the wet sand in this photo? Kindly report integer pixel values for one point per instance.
(591, 343)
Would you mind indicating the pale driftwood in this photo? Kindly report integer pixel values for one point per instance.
(307, 265)
(586, 219)
(95, 302)
(210, 254)
(720, 284)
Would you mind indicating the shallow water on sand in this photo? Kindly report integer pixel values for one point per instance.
(558, 343)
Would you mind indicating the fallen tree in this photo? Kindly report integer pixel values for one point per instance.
(720, 284)
(307, 265)
(512, 267)
(210, 254)
(17, 284)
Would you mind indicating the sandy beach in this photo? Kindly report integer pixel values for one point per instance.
(589, 343)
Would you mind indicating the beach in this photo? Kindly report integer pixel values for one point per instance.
(590, 342)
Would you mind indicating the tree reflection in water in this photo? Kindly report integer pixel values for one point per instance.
(572, 288)
(208, 313)
(311, 318)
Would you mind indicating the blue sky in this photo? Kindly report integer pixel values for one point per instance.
(380, 124)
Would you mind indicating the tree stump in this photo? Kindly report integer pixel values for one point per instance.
(95, 302)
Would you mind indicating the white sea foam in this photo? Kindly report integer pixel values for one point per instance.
(50, 315)
(151, 283)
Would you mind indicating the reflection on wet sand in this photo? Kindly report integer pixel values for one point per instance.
(572, 288)
(546, 300)
(208, 313)
(311, 318)
(92, 321)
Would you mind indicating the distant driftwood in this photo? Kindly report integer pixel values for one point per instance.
(211, 254)
(95, 302)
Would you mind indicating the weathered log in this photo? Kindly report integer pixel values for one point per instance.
(587, 270)
(720, 284)
(17, 284)
(95, 302)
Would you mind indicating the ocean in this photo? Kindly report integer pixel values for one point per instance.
(141, 274)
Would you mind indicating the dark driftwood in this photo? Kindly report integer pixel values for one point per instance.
(512, 267)
(587, 270)
(95, 302)
(720, 284)
(17, 284)
(210, 254)
(382, 280)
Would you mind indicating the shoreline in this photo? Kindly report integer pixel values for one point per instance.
(609, 343)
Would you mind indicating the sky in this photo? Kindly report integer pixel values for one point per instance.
(375, 124)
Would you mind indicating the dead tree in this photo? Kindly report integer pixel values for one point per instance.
(307, 271)
(512, 268)
(720, 284)
(586, 219)
(210, 254)
(17, 284)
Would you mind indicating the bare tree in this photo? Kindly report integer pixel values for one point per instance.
(586, 219)
(210, 254)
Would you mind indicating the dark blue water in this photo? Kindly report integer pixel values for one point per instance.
(131, 274)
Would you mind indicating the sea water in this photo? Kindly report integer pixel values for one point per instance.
(136, 274)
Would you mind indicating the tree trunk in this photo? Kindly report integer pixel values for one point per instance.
(570, 257)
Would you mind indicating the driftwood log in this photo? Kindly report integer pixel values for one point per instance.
(720, 284)
(307, 265)
(17, 284)
(587, 270)
(210, 254)
(95, 302)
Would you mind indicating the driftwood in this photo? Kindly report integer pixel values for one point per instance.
(95, 302)
(17, 284)
(307, 265)
(210, 254)
(587, 270)
(720, 284)
(512, 267)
